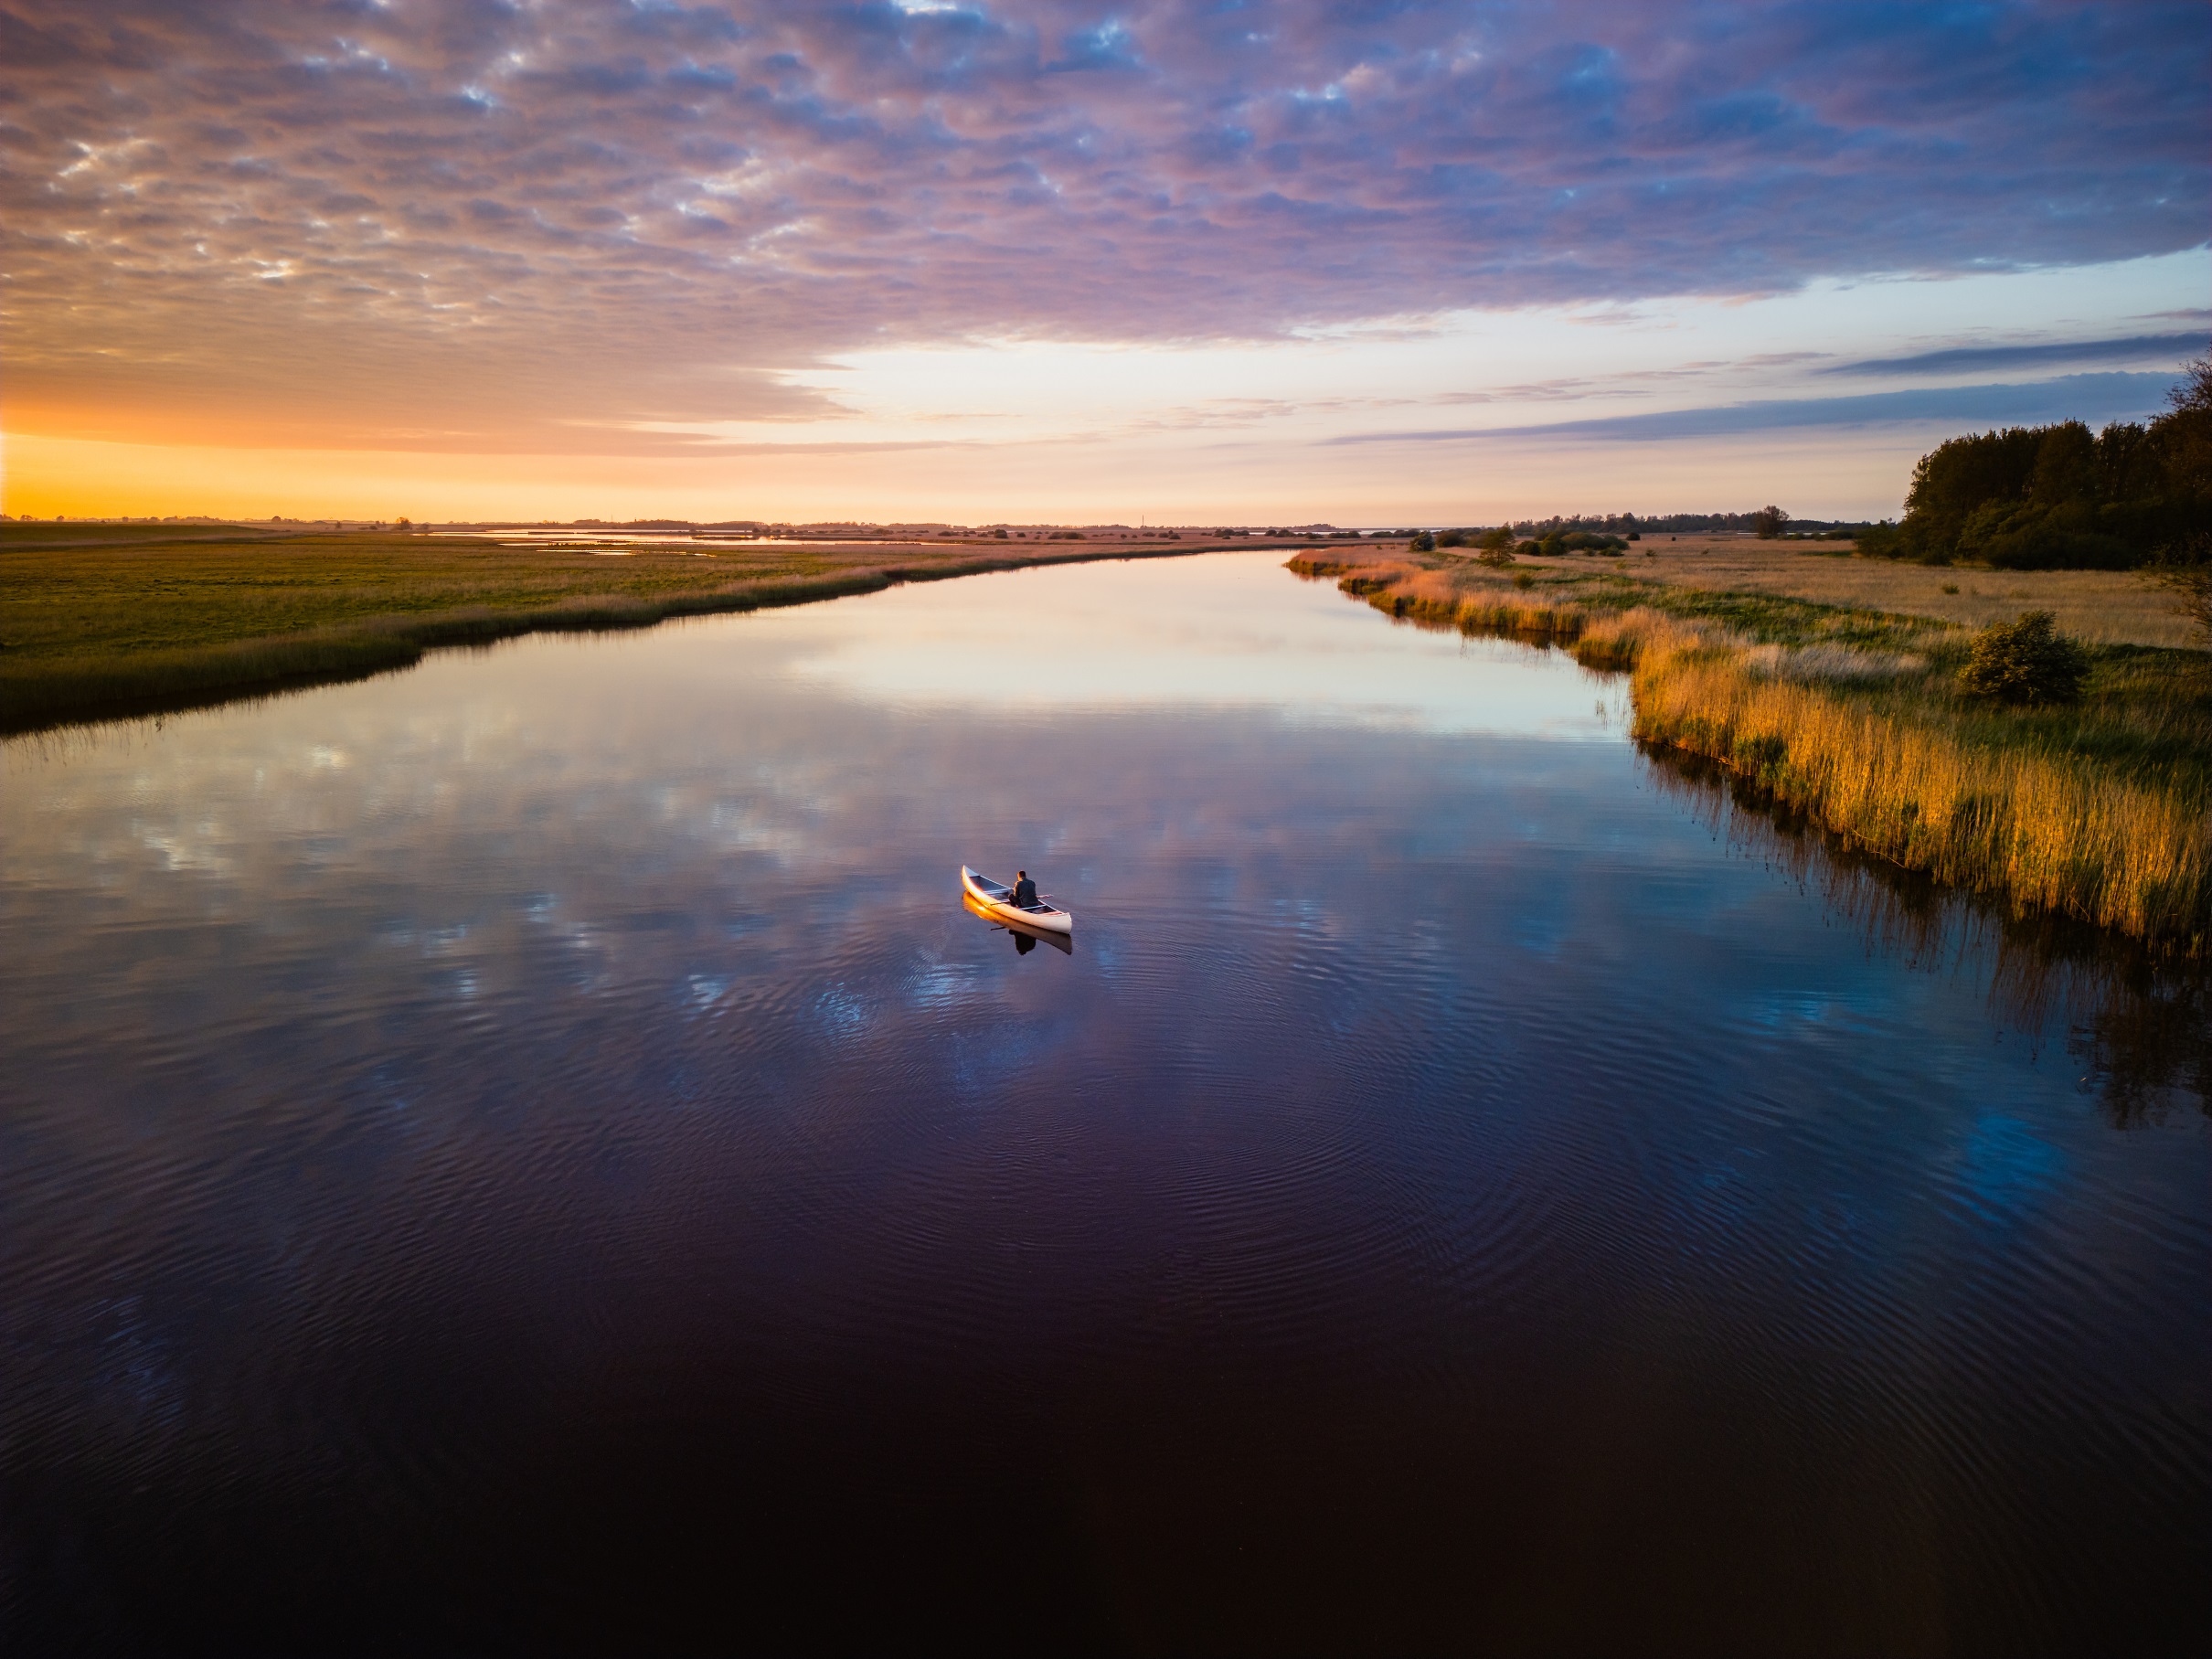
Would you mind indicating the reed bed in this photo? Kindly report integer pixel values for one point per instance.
(2052, 830)
(2102, 814)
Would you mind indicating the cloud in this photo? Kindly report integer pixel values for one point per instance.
(661, 210)
(1969, 359)
(2092, 397)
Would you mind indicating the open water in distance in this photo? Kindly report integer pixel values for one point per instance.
(530, 1154)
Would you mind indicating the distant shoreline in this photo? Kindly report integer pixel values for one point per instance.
(201, 648)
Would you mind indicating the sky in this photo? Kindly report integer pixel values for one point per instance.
(931, 261)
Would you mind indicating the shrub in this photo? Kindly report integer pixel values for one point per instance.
(1423, 542)
(2028, 660)
(1524, 578)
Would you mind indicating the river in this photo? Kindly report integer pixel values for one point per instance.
(530, 1153)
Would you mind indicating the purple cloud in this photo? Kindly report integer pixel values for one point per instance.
(651, 209)
(2093, 398)
(1966, 359)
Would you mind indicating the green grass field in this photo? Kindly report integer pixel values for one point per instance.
(164, 622)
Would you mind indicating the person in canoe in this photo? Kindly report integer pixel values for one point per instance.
(1025, 889)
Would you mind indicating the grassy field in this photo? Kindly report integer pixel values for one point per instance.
(96, 627)
(2100, 811)
(2107, 607)
(30, 534)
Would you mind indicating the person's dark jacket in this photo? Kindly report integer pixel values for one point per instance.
(1025, 891)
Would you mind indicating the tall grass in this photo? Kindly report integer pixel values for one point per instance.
(2102, 815)
(2053, 830)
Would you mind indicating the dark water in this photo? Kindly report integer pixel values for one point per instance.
(531, 1156)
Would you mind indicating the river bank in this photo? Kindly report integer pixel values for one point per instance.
(2101, 812)
(100, 632)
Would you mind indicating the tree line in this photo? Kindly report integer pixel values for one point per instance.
(2062, 497)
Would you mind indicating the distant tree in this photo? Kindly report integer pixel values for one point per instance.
(2058, 497)
(1423, 542)
(1499, 540)
(2193, 395)
(2066, 465)
(2184, 570)
(1768, 522)
(2182, 437)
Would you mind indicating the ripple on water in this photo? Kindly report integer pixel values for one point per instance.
(1453, 1190)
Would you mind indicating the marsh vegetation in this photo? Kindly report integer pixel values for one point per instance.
(97, 625)
(2090, 799)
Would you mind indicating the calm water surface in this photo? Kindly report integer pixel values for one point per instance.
(530, 1154)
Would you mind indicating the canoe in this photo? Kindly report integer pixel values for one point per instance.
(996, 899)
(1026, 937)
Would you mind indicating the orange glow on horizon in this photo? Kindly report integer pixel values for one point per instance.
(960, 484)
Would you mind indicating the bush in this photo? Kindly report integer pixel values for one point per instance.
(2028, 660)
(1524, 578)
(1423, 542)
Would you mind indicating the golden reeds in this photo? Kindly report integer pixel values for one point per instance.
(2053, 831)
(1875, 743)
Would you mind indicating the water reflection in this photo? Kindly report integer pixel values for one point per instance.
(1025, 940)
(2138, 1026)
(524, 1154)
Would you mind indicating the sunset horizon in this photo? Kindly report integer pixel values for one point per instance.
(904, 262)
